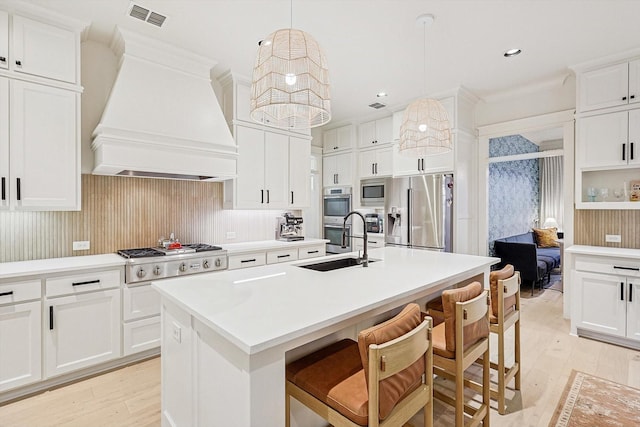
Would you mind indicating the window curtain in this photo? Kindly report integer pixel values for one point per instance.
(551, 197)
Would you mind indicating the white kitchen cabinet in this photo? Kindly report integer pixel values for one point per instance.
(299, 173)
(263, 169)
(20, 320)
(282, 255)
(4, 144)
(376, 163)
(247, 260)
(408, 165)
(140, 319)
(609, 86)
(312, 251)
(376, 132)
(4, 40)
(43, 171)
(337, 170)
(605, 298)
(609, 140)
(374, 240)
(338, 139)
(81, 330)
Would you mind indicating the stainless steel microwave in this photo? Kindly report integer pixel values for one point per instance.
(372, 192)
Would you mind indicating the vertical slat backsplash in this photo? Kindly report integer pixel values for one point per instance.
(124, 212)
(591, 226)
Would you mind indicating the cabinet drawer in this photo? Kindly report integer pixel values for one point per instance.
(82, 283)
(619, 266)
(20, 291)
(274, 257)
(247, 260)
(312, 251)
(141, 335)
(139, 302)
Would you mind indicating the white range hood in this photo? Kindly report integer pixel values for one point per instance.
(162, 118)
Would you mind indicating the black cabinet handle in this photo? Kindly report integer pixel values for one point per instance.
(267, 196)
(4, 294)
(335, 148)
(248, 260)
(624, 98)
(89, 282)
(630, 292)
(372, 169)
(631, 155)
(621, 291)
(312, 252)
(624, 151)
(19, 192)
(51, 318)
(19, 63)
(626, 268)
(418, 164)
(261, 196)
(4, 188)
(292, 197)
(284, 256)
(632, 97)
(3, 59)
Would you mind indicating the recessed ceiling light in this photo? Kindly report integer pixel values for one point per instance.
(381, 94)
(512, 52)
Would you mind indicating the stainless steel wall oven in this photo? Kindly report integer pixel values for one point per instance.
(336, 205)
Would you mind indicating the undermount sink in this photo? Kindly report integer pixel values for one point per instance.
(335, 264)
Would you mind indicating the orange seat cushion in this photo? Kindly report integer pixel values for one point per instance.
(334, 375)
(509, 303)
(472, 332)
(394, 388)
(435, 310)
(440, 342)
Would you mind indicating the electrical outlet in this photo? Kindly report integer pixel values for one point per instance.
(82, 245)
(177, 332)
(231, 235)
(613, 238)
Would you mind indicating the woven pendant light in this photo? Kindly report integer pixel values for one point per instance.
(290, 85)
(425, 128)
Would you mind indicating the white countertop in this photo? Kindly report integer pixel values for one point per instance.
(262, 307)
(57, 265)
(604, 251)
(263, 245)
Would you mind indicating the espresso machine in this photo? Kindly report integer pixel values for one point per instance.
(289, 228)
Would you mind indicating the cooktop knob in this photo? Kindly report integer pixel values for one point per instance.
(218, 262)
(183, 267)
(141, 273)
(157, 270)
(205, 263)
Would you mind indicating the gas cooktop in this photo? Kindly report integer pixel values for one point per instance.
(159, 251)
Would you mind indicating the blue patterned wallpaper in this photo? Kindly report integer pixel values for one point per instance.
(514, 194)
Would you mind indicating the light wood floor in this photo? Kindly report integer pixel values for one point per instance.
(131, 396)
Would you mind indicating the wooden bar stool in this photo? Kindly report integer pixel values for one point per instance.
(462, 339)
(382, 380)
(505, 313)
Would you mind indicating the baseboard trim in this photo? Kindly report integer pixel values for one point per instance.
(624, 342)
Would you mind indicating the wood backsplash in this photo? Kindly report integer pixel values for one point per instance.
(592, 225)
(124, 212)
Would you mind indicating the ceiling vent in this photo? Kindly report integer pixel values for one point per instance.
(143, 14)
(377, 105)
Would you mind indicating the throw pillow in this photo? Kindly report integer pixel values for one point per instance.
(546, 237)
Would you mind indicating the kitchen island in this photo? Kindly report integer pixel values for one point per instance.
(226, 336)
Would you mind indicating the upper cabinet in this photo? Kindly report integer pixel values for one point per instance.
(376, 132)
(375, 163)
(609, 140)
(337, 170)
(609, 86)
(338, 139)
(299, 173)
(40, 112)
(4, 39)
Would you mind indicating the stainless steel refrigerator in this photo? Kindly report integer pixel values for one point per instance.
(418, 212)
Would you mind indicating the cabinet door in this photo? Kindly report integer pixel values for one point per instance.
(634, 81)
(4, 40)
(367, 134)
(44, 154)
(330, 141)
(384, 130)
(4, 143)
(344, 137)
(601, 305)
(605, 87)
(20, 351)
(250, 181)
(299, 172)
(384, 162)
(43, 50)
(81, 331)
(243, 102)
(329, 170)
(404, 165)
(276, 170)
(633, 150)
(344, 169)
(367, 163)
(633, 308)
(602, 140)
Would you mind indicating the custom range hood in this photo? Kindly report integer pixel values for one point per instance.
(162, 119)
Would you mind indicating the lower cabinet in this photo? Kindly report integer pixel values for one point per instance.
(20, 351)
(607, 299)
(141, 319)
(81, 330)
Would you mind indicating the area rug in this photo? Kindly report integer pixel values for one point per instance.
(589, 401)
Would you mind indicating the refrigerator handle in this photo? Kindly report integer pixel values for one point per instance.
(408, 214)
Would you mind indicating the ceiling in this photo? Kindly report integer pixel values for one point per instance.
(375, 45)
